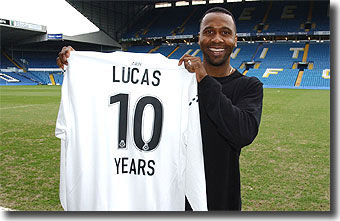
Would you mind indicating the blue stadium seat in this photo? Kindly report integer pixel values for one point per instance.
(41, 76)
(140, 49)
(184, 49)
(23, 79)
(244, 52)
(319, 55)
(284, 78)
(165, 49)
(313, 79)
(58, 78)
(280, 55)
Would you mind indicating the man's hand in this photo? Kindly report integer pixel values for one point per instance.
(193, 65)
(63, 55)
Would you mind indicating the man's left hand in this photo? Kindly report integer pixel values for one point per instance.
(193, 65)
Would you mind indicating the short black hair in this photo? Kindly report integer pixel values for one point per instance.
(218, 9)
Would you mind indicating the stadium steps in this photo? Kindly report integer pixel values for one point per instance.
(264, 53)
(304, 59)
(181, 28)
(188, 51)
(256, 51)
(235, 53)
(257, 65)
(196, 52)
(147, 28)
(305, 53)
(52, 79)
(26, 78)
(264, 20)
(173, 51)
(154, 49)
(13, 61)
(298, 79)
(310, 14)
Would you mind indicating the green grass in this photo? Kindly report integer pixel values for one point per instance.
(287, 168)
(30, 152)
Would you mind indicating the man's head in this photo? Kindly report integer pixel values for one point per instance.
(217, 37)
(220, 10)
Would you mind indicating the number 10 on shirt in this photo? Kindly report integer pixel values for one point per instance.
(138, 113)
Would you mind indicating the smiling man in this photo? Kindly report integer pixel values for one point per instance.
(230, 108)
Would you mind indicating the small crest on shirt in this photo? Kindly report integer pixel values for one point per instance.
(122, 144)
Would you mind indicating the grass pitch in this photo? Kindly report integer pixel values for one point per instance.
(287, 168)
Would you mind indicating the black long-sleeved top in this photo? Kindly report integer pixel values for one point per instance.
(230, 114)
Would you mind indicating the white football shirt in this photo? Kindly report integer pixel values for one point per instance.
(130, 134)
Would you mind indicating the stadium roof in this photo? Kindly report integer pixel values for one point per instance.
(115, 17)
(15, 31)
(112, 17)
(29, 36)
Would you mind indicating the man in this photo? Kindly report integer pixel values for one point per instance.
(230, 107)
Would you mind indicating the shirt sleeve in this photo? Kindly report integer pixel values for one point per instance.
(61, 124)
(195, 186)
(237, 122)
(61, 133)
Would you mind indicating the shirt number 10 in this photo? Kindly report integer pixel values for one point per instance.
(140, 143)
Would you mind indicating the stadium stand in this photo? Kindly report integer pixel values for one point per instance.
(252, 17)
(36, 59)
(319, 55)
(288, 17)
(185, 49)
(315, 79)
(244, 52)
(280, 78)
(15, 79)
(248, 16)
(280, 42)
(141, 49)
(58, 77)
(5, 61)
(280, 55)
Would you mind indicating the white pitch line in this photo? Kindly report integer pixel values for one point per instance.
(5, 209)
(14, 107)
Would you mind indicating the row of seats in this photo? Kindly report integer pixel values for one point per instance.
(10, 78)
(264, 55)
(31, 78)
(29, 59)
(311, 78)
(284, 78)
(281, 55)
(276, 16)
(319, 54)
(267, 55)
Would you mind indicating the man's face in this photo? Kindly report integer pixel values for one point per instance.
(217, 38)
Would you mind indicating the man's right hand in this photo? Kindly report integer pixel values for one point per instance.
(63, 55)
